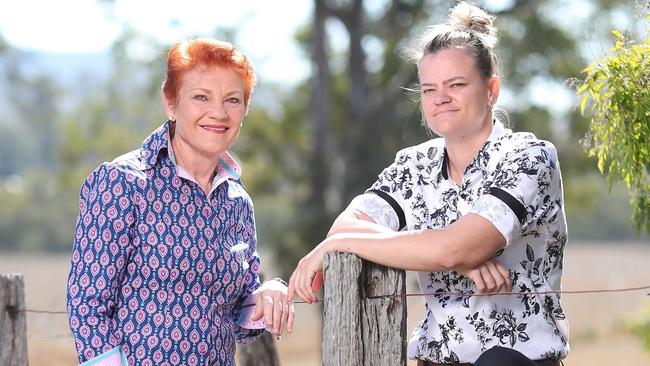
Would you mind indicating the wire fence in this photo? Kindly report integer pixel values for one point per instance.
(412, 294)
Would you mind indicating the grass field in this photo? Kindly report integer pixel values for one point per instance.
(597, 333)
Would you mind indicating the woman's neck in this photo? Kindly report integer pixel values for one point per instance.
(461, 151)
(200, 167)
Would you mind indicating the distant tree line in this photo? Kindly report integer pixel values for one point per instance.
(324, 140)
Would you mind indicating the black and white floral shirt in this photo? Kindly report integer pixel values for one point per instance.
(514, 182)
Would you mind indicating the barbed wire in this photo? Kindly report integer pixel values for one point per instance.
(52, 337)
(439, 293)
(391, 296)
(36, 311)
(515, 293)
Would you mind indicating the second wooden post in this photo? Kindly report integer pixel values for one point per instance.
(364, 317)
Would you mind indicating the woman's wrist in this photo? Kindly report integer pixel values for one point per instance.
(335, 243)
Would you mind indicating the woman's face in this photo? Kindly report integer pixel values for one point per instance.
(209, 110)
(456, 102)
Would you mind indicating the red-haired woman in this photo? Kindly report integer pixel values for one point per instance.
(164, 259)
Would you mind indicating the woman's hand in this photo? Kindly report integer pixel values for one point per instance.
(275, 307)
(489, 277)
(307, 278)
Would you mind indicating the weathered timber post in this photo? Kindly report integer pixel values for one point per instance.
(13, 329)
(364, 317)
(261, 352)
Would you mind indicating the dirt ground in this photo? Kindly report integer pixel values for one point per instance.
(598, 336)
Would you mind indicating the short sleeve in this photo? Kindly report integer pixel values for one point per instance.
(395, 187)
(524, 186)
(378, 209)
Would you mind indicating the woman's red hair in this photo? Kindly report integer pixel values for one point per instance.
(206, 52)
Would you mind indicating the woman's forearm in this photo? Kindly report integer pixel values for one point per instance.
(405, 250)
(465, 244)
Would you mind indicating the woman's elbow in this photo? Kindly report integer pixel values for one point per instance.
(348, 221)
(439, 258)
(453, 257)
(452, 260)
(340, 225)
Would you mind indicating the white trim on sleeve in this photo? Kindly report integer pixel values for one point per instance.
(377, 209)
(499, 214)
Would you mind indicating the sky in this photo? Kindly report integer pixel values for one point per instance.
(265, 28)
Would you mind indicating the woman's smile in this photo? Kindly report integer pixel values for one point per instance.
(217, 129)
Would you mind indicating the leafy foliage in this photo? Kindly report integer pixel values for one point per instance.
(639, 325)
(617, 90)
(48, 150)
(52, 135)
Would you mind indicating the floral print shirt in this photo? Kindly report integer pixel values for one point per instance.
(160, 270)
(514, 182)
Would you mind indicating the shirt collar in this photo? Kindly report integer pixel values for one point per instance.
(159, 141)
(153, 145)
(498, 131)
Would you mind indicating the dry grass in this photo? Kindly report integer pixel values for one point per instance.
(597, 335)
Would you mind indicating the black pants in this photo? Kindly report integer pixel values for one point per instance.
(501, 356)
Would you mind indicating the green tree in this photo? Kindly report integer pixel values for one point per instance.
(48, 150)
(114, 116)
(616, 90)
(306, 149)
(30, 216)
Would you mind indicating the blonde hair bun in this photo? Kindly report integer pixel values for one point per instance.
(469, 18)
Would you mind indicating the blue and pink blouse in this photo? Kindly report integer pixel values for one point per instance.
(160, 270)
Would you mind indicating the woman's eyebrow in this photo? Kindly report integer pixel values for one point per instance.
(447, 81)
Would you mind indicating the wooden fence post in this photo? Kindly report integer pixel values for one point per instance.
(261, 352)
(13, 329)
(358, 327)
